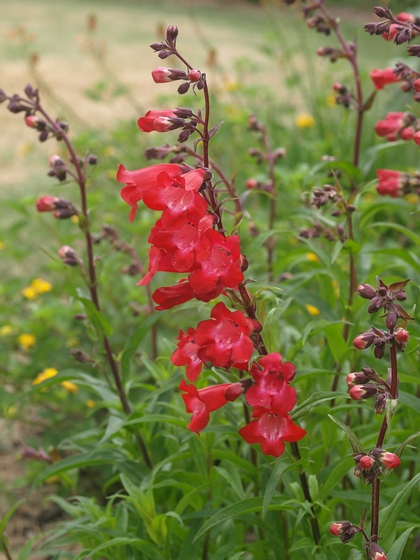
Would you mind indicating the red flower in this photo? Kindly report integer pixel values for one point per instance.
(46, 203)
(221, 270)
(186, 355)
(170, 296)
(225, 338)
(184, 238)
(178, 194)
(390, 182)
(381, 78)
(161, 75)
(271, 429)
(141, 180)
(156, 121)
(271, 387)
(395, 125)
(201, 402)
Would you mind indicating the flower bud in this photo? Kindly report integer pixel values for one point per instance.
(47, 203)
(360, 392)
(401, 336)
(340, 527)
(366, 291)
(376, 552)
(357, 378)
(366, 463)
(364, 340)
(387, 459)
(69, 256)
(194, 75)
(162, 75)
(380, 403)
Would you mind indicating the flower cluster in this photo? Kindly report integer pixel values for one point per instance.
(189, 239)
(375, 463)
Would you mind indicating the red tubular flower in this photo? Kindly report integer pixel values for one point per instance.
(395, 125)
(389, 460)
(177, 195)
(46, 203)
(382, 78)
(170, 296)
(140, 181)
(416, 138)
(156, 120)
(271, 429)
(201, 402)
(162, 75)
(186, 355)
(224, 339)
(390, 182)
(221, 270)
(271, 387)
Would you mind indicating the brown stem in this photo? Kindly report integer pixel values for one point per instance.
(6, 552)
(305, 487)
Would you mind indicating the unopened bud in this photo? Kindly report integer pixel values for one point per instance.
(366, 291)
(69, 256)
(366, 462)
(360, 392)
(391, 320)
(194, 75)
(401, 336)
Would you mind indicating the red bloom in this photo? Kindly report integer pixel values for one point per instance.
(201, 402)
(381, 78)
(184, 238)
(271, 429)
(170, 296)
(46, 203)
(393, 127)
(390, 182)
(140, 181)
(271, 387)
(225, 338)
(156, 121)
(186, 355)
(221, 270)
(178, 194)
(161, 75)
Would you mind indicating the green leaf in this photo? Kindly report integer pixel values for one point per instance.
(352, 171)
(137, 338)
(335, 476)
(389, 516)
(410, 400)
(280, 467)
(354, 440)
(7, 516)
(402, 229)
(397, 549)
(316, 398)
(371, 154)
(232, 476)
(115, 423)
(239, 508)
(102, 327)
(269, 332)
(311, 329)
(400, 449)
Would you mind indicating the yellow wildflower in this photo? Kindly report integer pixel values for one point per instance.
(412, 198)
(75, 219)
(90, 403)
(312, 257)
(2, 245)
(70, 387)
(41, 286)
(44, 375)
(108, 151)
(304, 121)
(29, 293)
(331, 102)
(27, 341)
(312, 310)
(6, 330)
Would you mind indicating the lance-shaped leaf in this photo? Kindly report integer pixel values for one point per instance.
(354, 440)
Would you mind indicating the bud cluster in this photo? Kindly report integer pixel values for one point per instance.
(60, 207)
(345, 530)
(401, 28)
(383, 297)
(376, 463)
(367, 383)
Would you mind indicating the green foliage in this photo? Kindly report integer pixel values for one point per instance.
(213, 496)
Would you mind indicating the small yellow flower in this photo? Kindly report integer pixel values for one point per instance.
(75, 219)
(336, 288)
(27, 341)
(70, 387)
(6, 330)
(109, 151)
(312, 310)
(312, 257)
(41, 286)
(44, 375)
(304, 121)
(2, 245)
(231, 85)
(331, 102)
(90, 403)
(72, 342)
(412, 198)
(29, 293)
